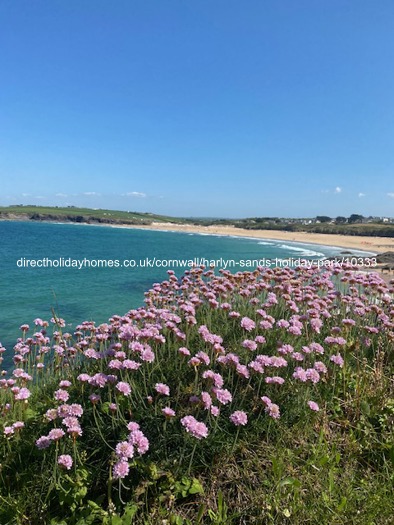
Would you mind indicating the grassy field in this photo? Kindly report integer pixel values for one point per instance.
(87, 213)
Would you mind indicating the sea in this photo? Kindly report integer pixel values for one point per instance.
(67, 268)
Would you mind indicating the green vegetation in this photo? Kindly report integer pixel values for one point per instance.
(83, 215)
(353, 225)
(264, 398)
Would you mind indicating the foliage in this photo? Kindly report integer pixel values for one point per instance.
(259, 397)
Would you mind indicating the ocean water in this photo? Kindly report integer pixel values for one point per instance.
(97, 293)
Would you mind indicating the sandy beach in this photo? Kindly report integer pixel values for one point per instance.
(347, 242)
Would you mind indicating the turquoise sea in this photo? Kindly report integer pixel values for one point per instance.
(96, 293)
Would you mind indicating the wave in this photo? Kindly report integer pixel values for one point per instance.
(303, 251)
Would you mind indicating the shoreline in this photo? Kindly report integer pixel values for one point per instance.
(369, 245)
(359, 243)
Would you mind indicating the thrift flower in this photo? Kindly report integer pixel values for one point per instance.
(313, 406)
(163, 389)
(65, 461)
(123, 388)
(196, 428)
(121, 469)
(239, 418)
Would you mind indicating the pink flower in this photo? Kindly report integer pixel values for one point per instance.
(273, 411)
(94, 398)
(216, 378)
(248, 324)
(23, 394)
(276, 380)
(203, 358)
(8, 431)
(239, 418)
(312, 375)
(140, 441)
(206, 400)
(132, 426)
(51, 414)
(222, 395)
(55, 434)
(123, 388)
(320, 367)
(65, 461)
(250, 345)
(43, 442)
(313, 406)
(196, 428)
(121, 469)
(124, 450)
(75, 410)
(215, 411)
(129, 364)
(271, 408)
(168, 412)
(64, 384)
(163, 389)
(62, 395)
(84, 378)
(338, 360)
(70, 421)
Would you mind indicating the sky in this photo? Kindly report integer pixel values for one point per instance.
(204, 108)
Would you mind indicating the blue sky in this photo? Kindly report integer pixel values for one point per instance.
(199, 107)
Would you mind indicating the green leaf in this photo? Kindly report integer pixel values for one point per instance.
(342, 504)
(196, 487)
(365, 408)
(290, 481)
(116, 520)
(129, 513)
(29, 414)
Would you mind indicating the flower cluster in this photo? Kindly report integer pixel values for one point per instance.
(206, 353)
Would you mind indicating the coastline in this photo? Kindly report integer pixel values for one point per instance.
(347, 242)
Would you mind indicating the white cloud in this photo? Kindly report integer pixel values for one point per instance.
(25, 194)
(391, 195)
(361, 194)
(338, 189)
(61, 195)
(91, 193)
(137, 194)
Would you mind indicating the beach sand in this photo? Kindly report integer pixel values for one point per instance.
(347, 242)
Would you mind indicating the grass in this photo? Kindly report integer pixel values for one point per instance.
(88, 213)
(331, 466)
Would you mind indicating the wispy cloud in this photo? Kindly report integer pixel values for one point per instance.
(391, 195)
(136, 194)
(91, 193)
(338, 189)
(25, 194)
(361, 194)
(61, 195)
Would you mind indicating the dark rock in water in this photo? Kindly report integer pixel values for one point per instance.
(385, 258)
(346, 253)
